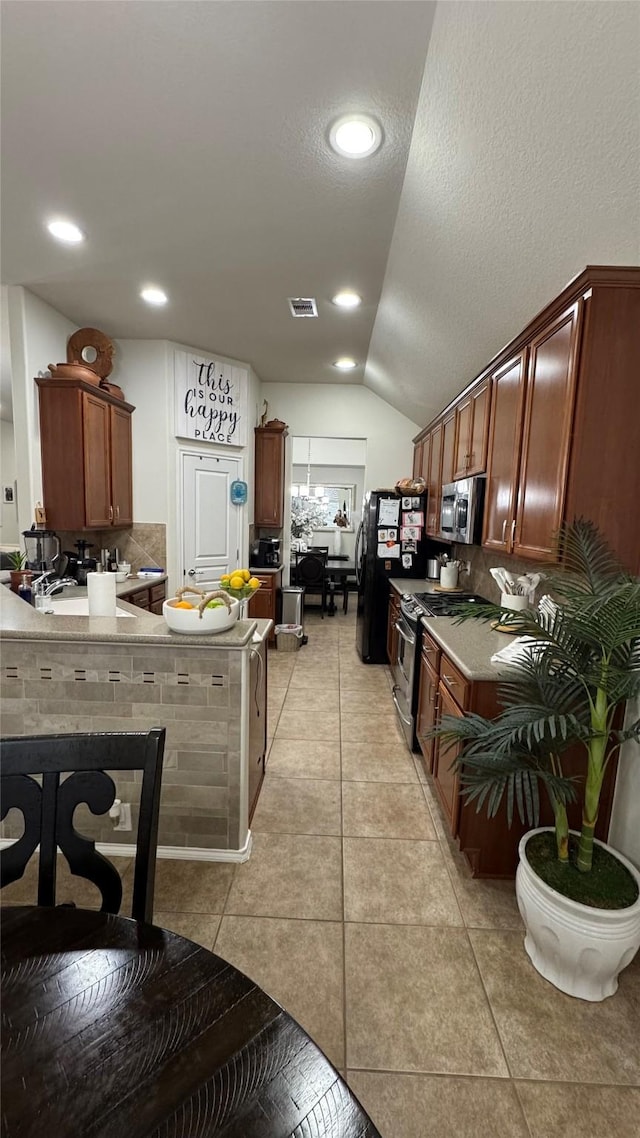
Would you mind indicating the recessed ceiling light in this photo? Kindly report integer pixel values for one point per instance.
(65, 231)
(345, 363)
(356, 136)
(154, 296)
(347, 299)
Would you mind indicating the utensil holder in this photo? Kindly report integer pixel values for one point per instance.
(511, 601)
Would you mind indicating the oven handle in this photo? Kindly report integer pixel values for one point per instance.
(408, 639)
(395, 700)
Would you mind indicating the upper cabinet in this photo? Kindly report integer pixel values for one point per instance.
(85, 438)
(269, 474)
(563, 437)
(472, 426)
(434, 480)
(504, 453)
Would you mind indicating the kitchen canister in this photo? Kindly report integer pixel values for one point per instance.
(101, 591)
(449, 576)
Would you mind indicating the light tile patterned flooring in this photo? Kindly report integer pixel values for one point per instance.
(358, 916)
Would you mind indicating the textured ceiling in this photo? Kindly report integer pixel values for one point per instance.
(189, 141)
(524, 167)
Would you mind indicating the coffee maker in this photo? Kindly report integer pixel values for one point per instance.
(265, 554)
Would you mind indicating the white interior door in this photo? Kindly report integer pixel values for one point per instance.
(211, 524)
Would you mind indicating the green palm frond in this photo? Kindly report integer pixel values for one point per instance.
(581, 663)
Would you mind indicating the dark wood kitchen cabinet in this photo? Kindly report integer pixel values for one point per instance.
(264, 603)
(149, 597)
(504, 453)
(564, 437)
(434, 480)
(269, 474)
(490, 845)
(472, 429)
(85, 440)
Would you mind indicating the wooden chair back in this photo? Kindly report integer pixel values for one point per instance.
(48, 806)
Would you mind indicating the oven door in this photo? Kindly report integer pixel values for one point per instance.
(403, 675)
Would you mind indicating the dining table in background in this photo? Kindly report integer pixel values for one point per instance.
(337, 570)
(116, 1029)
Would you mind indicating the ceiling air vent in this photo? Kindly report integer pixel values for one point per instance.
(303, 306)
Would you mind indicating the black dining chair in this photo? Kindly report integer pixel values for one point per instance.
(48, 806)
(311, 573)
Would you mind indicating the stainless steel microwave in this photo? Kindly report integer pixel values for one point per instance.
(461, 510)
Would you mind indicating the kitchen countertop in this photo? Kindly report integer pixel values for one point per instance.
(411, 585)
(19, 621)
(470, 645)
(271, 569)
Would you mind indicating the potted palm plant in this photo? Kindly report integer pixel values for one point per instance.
(579, 899)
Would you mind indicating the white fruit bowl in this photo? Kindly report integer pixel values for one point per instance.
(188, 621)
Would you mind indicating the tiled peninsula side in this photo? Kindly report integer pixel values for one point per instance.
(103, 678)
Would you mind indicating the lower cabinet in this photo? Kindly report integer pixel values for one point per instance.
(264, 603)
(149, 597)
(490, 845)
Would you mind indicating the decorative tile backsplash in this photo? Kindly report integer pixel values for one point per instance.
(196, 695)
(480, 580)
(144, 543)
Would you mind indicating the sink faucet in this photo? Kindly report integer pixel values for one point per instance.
(47, 585)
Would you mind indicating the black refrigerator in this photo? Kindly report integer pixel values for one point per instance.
(390, 543)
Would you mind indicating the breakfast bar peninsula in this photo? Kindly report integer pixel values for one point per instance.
(130, 673)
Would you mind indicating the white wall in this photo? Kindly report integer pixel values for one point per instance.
(524, 167)
(39, 337)
(348, 412)
(9, 532)
(336, 476)
(144, 369)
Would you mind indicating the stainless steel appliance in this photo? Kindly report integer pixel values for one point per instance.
(265, 553)
(41, 546)
(406, 670)
(381, 553)
(433, 569)
(461, 510)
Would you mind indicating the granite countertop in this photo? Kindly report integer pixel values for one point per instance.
(470, 645)
(131, 585)
(411, 585)
(19, 621)
(271, 569)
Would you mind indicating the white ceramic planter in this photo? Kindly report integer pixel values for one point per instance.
(578, 949)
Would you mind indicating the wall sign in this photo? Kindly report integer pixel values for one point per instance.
(238, 492)
(211, 400)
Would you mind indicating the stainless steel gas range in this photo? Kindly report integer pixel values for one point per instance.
(406, 670)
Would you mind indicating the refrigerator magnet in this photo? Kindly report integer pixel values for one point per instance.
(383, 535)
(410, 533)
(413, 518)
(407, 560)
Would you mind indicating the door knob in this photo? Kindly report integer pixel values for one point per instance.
(192, 572)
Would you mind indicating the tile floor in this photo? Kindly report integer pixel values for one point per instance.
(358, 916)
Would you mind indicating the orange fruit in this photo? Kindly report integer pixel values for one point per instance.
(183, 605)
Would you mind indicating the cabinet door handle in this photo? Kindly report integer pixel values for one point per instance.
(110, 513)
(117, 513)
(504, 529)
(513, 531)
(453, 683)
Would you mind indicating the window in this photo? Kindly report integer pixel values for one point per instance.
(321, 505)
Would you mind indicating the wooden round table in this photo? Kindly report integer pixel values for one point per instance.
(122, 1030)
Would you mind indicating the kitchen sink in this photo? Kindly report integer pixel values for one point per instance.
(72, 606)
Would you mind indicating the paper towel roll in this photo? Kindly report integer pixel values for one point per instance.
(101, 588)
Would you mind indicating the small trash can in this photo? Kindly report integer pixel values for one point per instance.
(288, 637)
(293, 605)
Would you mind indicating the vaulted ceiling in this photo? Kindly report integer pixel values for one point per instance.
(189, 141)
